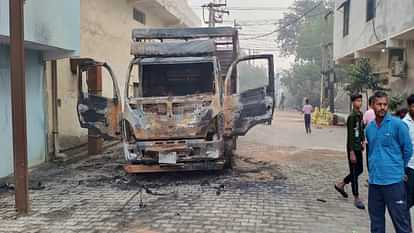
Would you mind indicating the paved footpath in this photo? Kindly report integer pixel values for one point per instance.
(282, 182)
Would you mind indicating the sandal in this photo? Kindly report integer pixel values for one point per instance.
(341, 191)
(359, 204)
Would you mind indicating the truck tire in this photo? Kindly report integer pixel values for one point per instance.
(235, 142)
(229, 146)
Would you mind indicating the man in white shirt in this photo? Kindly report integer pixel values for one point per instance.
(369, 115)
(409, 120)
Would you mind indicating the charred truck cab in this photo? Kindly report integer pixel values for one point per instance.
(182, 107)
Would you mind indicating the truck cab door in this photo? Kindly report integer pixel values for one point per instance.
(97, 112)
(254, 101)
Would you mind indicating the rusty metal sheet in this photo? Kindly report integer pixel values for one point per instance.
(174, 60)
(100, 114)
(183, 33)
(251, 108)
(172, 117)
(245, 110)
(207, 165)
(173, 49)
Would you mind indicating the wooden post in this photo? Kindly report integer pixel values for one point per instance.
(18, 98)
(94, 88)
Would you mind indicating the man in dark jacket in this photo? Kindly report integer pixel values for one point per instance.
(355, 148)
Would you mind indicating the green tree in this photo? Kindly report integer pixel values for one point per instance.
(361, 78)
(302, 31)
(303, 81)
(294, 24)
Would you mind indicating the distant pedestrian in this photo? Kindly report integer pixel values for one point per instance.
(390, 150)
(409, 171)
(401, 113)
(355, 147)
(307, 111)
(369, 116)
(282, 102)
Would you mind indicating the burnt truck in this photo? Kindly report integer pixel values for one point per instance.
(182, 106)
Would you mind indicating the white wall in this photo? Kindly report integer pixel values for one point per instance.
(393, 17)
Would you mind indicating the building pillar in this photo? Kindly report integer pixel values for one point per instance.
(18, 97)
(95, 143)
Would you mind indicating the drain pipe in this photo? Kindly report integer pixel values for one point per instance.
(55, 123)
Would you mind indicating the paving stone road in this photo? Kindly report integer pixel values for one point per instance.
(282, 182)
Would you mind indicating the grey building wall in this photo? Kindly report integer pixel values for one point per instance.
(393, 17)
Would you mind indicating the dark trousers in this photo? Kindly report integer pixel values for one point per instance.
(409, 185)
(308, 118)
(366, 152)
(355, 170)
(393, 197)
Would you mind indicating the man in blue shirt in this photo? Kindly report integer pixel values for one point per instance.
(390, 149)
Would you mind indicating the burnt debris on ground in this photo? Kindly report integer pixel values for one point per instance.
(107, 170)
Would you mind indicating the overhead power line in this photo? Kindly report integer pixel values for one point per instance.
(258, 8)
(277, 49)
(287, 25)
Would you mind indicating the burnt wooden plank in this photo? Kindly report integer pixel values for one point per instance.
(183, 33)
(173, 49)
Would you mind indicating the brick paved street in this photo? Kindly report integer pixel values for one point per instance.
(275, 187)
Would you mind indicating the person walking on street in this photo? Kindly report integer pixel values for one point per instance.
(409, 171)
(355, 147)
(307, 111)
(390, 150)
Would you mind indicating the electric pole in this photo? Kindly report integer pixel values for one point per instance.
(328, 70)
(215, 13)
(328, 77)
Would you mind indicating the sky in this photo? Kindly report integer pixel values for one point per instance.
(256, 17)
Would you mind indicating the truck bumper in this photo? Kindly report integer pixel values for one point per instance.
(174, 155)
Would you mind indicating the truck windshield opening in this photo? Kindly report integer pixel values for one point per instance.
(160, 80)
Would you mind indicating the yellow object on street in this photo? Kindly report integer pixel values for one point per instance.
(322, 117)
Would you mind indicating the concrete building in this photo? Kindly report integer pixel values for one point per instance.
(51, 32)
(105, 35)
(382, 31)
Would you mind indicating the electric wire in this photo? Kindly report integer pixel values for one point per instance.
(287, 25)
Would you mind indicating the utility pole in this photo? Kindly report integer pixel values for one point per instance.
(18, 99)
(328, 76)
(331, 78)
(215, 13)
(328, 70)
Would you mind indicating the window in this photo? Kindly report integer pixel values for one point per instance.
(396, 55)
(161, 80)
(347, 9)
(371, 9)
(139, 16)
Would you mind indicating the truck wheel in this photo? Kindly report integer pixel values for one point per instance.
(235, 142)
(228, 153)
